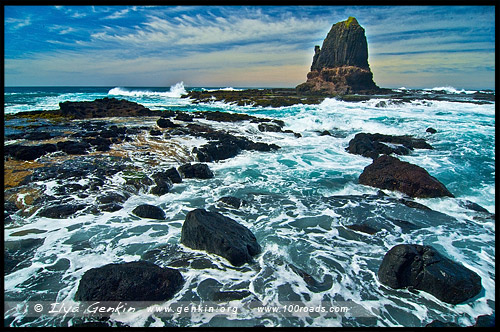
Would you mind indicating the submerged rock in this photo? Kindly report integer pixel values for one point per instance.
(149, 211)
(133, 281)
(269, 127)
(424, 268)
(387, 172)
(215, 233)
(232, 201)
(311, 282)
(18, 254)
(363, 228)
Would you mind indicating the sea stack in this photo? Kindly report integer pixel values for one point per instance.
(341, 66)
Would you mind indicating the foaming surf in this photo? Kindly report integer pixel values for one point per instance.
(175, 91)
(301, 198)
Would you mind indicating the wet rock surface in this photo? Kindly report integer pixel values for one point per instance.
(215, 233)
(373, 145)
(82, 152)
(133, 281)
(149, 211)
(424, 268)
(232, 201)
(199, 171)
(387, 172)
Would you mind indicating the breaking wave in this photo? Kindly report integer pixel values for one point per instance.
(176, 91)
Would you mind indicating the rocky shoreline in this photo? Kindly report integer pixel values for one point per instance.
(289, 97)
(83, 144)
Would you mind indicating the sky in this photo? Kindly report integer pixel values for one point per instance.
(241, 46)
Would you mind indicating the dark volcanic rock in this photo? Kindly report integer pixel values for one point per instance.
(173, 175)
(163, 184)
(100, 143)
(111, 198)
(80, 167)
(215, 233)
(28, 152)
(182, 116)
(165, 180)
(137, 184)
(226, 117)
(73, 147)
(110, 207)
(133, 281)
(372, 145)
(149, 211)
(438, 323)
(345, 45)
(485, 321)
(71, 188)
(232, 201)
(166, 123)
(154, 132)
(256, 97)
(364, 228)
(224, 145)
(200, 171)
(269, 127)
(106, 107)
(387, 172)
(340, 66)
(217, 150)
(424, 268)
(61, 211)
(38, 136)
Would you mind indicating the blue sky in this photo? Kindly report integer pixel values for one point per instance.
(242, 46)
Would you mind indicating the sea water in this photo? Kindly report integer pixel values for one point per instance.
(299, 198)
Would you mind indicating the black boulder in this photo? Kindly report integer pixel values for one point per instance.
(149, 211)
(215, 233)
(133, 281)
(424, 268)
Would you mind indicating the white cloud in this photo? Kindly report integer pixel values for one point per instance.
(202, 30)
(62, 30)
(120, 13)
(18, 23)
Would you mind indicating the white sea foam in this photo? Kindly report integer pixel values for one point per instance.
(224, 89)
(452, 90)
(300, 198)
(176, 91)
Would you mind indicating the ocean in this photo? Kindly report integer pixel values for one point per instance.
(299, 200)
